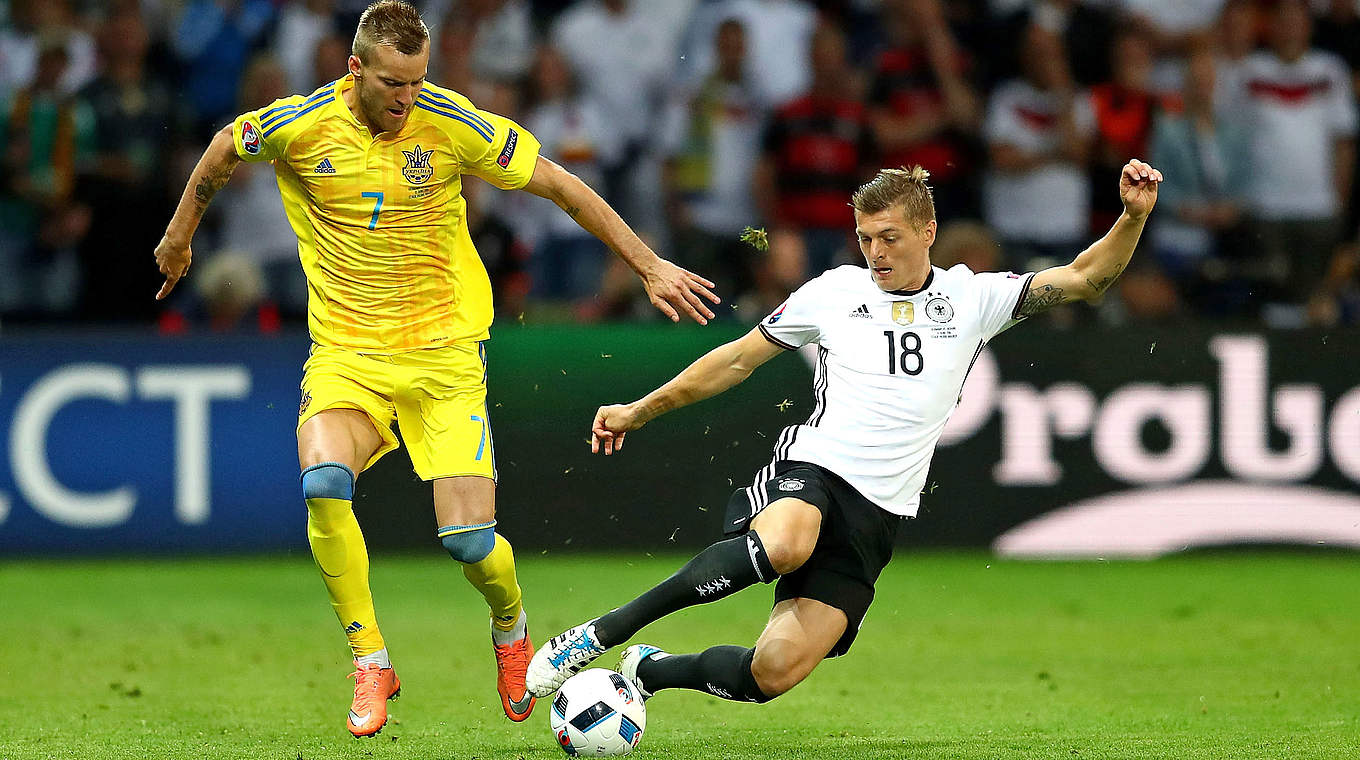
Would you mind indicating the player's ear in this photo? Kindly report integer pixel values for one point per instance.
(928, 233)
(356, 66)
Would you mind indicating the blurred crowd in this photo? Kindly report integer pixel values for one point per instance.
(699, 118)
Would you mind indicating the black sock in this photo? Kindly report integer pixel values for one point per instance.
(716, 572)
(721, 671)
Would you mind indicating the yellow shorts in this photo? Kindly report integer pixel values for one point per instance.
(437, 395)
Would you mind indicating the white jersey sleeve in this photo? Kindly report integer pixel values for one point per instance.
(795, 323)
(999, 295)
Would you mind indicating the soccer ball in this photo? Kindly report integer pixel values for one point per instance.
(598, 713)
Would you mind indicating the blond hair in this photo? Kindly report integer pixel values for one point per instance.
(390, 22)
(898, 187)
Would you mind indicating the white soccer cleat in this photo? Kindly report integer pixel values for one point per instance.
(565, 655)
(633, 657)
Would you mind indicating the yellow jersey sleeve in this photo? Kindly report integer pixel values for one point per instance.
(264, 134)
(488, 146)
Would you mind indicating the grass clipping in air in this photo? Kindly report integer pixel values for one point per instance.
(757, 238)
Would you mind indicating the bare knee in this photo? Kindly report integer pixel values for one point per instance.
(346, 436)
(778, 666)
(788, 530)
(787, 553)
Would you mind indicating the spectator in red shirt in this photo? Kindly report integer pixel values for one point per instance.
(924, 109)
(1124, 109)
(818, 148)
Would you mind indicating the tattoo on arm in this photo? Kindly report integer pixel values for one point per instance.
(1039, 300)
(213, 180)
(572, 211)
(1106, 281)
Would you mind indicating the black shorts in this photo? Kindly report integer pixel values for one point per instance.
(855, 543)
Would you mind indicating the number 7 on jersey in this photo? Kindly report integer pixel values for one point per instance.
(377, 206)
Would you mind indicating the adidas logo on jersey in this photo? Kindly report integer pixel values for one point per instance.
(325, 167)
(862, 312)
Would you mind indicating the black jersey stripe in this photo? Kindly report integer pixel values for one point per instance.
(756, 493)
(816, 388)
(765, 331)
(1015, 313)
(781, 451)
(768, 470)
(976, 354)
(820, 390)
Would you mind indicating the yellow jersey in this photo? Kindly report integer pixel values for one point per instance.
(380, 219)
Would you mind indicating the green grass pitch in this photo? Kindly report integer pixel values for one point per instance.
(1217, 655)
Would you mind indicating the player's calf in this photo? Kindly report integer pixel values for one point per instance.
(723, 671)
(715, 573)
(777, 666)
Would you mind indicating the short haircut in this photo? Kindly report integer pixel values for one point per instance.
(390, 22)
(898, 187)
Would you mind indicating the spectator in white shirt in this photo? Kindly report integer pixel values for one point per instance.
(302, 25)
(1039, 131)
(1303, 122)
(711, 140)
(623, 60)
(778, 34)
(253, 222)
(567, 261)
(19, 46)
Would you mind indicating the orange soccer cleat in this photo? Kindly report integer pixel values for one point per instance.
(373, 686)
(512, 662)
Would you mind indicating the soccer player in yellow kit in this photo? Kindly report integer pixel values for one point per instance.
(370, 168)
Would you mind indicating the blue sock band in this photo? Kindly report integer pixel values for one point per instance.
(469, 543)
(328, 480)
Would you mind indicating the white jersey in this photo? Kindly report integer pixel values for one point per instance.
(890, 367)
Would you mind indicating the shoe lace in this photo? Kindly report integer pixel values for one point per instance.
(579, 643)
(514, 655)
(367, 679)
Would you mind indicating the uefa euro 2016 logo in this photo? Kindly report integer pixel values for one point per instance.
(417, 169)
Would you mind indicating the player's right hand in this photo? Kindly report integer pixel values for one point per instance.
(173, 261)
(672, 289)
(612, 423)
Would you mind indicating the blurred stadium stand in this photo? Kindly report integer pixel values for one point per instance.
(1232, 361)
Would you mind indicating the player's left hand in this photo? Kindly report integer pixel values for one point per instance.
(1138, 183)
(672, 289)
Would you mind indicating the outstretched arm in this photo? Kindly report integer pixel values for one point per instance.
(711, 374)
(668, 286)
(1095, 269)
(174, 253)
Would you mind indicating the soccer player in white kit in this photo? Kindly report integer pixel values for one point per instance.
(894, 345)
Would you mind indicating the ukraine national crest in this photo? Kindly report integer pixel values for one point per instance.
(904, 312)
(417, 169)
